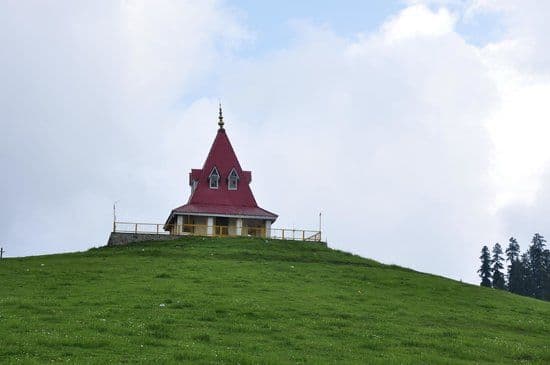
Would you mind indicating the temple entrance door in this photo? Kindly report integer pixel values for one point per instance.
(222, 226)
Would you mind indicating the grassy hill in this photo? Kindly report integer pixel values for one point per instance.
(251, 301)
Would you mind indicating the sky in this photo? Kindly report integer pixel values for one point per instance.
(418, 128)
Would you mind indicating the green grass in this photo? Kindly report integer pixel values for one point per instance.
(251, 301)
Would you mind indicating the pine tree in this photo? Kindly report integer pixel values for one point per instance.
(537, 261)
(546, 283)
(512, 252)
(526, 271)
(485, 269)
(496, 270)
(515, 282)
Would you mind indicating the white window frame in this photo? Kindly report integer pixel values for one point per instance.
(211, 180)
(233, 175)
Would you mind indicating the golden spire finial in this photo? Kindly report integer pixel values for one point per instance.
(220, 117)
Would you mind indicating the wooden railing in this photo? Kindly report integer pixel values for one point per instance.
(217, 231)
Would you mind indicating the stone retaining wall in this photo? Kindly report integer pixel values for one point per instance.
(120, 239)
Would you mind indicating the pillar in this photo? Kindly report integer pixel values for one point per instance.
(210, 226)
(179, 224)
(268, 229)
(239, 226)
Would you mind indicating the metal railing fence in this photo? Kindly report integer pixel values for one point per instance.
(217, 231)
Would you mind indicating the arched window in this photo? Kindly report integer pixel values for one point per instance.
(214, 178)
(232, 180)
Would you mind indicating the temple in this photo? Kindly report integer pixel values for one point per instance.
(221, 201)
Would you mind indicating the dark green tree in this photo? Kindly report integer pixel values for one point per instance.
(515, 282)
(496, 271)
(537, 263)
(485, 269)
(526, 276)
(513, 251)
(546, 282)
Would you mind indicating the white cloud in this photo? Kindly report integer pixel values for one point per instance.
(519, 65)
(519, 127)
(522, 219)
(419, 21)
(525, 44)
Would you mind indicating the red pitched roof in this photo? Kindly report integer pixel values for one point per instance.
(225, 210)
(222, 201)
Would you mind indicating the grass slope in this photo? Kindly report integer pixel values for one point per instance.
(248, 301)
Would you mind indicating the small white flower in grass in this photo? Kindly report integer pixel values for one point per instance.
(41, 264)
(292, 266)
(162, 305)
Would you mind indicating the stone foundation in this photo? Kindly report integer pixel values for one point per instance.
(120, 239)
